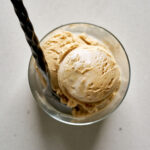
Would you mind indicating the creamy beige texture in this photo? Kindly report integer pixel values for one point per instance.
(83, 72)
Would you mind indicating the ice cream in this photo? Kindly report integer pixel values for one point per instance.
(83, 71)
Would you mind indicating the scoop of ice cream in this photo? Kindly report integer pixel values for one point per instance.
(88, 74)
(55, 48)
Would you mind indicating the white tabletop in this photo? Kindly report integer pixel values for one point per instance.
(23, 125)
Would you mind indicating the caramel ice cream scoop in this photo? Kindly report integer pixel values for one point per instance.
(88, 74)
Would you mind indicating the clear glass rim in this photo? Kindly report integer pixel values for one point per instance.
(104, 117)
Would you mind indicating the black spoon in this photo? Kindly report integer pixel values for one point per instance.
(38, 55)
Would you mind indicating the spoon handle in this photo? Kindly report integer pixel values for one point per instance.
(30, 35)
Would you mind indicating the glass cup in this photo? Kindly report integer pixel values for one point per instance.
(121, 58)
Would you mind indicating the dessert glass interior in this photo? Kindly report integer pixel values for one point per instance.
(121, 58)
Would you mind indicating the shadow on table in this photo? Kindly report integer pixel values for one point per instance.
(71, 137)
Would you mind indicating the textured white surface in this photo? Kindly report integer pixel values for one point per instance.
(24, 126)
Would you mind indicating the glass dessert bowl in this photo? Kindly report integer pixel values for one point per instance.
(60, 111)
